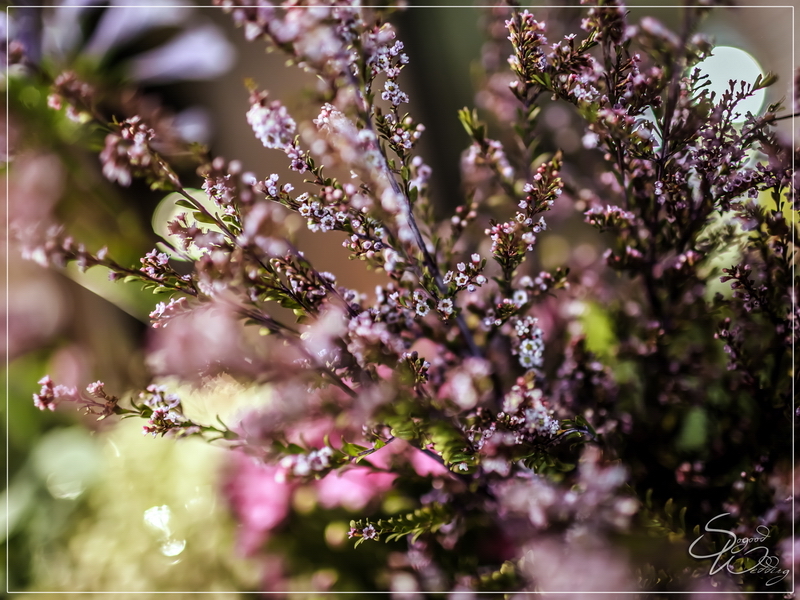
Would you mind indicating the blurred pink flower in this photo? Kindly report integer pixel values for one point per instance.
(202, 341)
(426, 465)
(257, 499)
(353, 489)
(578, 570)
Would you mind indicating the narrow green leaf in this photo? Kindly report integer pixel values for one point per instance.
(203, 218)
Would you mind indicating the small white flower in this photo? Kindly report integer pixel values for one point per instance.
(369, 532)
(446, 306)
(422, 309)
(590, 140)
(301, 466)
(461, 279)
(520, 297)
(530, 347)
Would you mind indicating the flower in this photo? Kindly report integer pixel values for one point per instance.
(128, 152)
(259, 501)
(369, 532)
(520, 297)
(270, 122)
(352, 489)
(422, 309)
(445, 306)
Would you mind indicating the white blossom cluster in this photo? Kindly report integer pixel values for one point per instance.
(302, 465)
(271, 123)
(530, 342)
(525, 410)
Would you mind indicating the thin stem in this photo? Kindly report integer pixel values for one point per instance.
(783, 117)
(277, 327)
(428, 259)
(266, 320)
(337, 381)
(116, 267)
(373, 450)
(328, 285)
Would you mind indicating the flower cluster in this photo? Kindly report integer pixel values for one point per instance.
(166, 416)
(76, 94)
(530, 345)
(99, 403)
(467, 275)
(129, 153)
(611, 217)
(163, 312)
(270, 121)
(302, 465)
(524, 411)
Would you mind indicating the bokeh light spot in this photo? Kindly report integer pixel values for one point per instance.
(729, 63)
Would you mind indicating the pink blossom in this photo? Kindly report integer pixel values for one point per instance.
(426, 465)
(199, 342)
(353, 488)
(257, 499)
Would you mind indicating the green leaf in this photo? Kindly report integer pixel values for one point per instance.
(185, 204)
(204, 218)
(352, 449)
(765, 81)
(287, 302)
(404, 433)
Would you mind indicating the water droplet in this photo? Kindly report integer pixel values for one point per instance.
(157, 518)
(172, 547)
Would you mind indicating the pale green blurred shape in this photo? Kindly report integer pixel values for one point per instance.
(598, 329)
(694, 430)
(152, 520)
(728, 63)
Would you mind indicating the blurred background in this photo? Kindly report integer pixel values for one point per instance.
(96, 507)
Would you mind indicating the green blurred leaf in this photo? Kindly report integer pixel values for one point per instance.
(694, 431)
